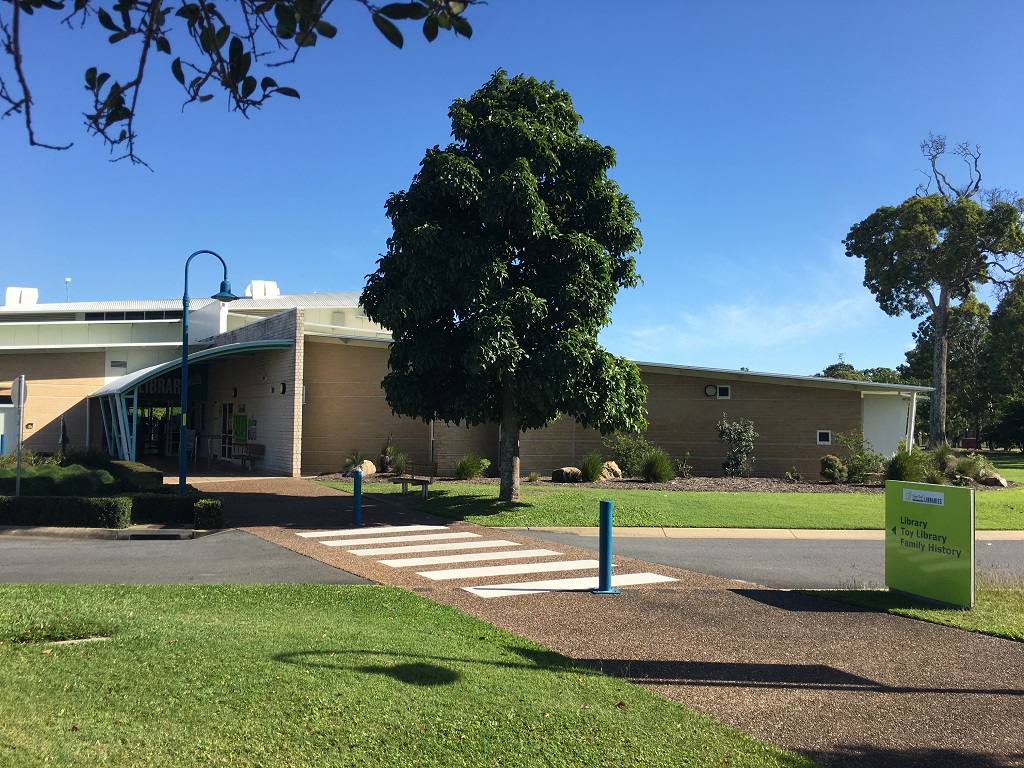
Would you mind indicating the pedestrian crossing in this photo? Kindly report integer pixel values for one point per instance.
(431, 546)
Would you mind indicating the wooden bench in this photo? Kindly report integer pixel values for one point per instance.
(423, 481)
(249, 452)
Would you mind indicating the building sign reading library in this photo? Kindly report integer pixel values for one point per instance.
(929, 541)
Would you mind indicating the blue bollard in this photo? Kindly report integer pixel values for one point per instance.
(357, 498)
(604, 570)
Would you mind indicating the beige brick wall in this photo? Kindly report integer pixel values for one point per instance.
(58, 383)
(346, 411)
(786, 416)
(254, 382)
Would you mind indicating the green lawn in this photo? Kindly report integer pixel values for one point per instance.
(998, 608)
(299, 675)
(542, 506)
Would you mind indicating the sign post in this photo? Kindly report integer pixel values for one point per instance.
(929, 541)
(18, 394)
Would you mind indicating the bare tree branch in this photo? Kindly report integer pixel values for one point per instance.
(227, 43)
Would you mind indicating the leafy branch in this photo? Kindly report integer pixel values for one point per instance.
(223, 48)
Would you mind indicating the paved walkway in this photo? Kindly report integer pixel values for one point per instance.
(843, 686)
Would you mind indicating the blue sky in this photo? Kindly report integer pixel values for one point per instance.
(750, 135)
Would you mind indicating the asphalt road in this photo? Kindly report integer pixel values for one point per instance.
(236, 557)
(230, 557)
(784, 563)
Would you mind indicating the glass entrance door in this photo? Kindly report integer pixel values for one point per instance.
(227, 421)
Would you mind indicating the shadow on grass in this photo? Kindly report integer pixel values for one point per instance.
(871, 756)
(460, 506)
(426, 669)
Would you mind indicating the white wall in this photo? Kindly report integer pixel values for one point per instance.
(885, 421)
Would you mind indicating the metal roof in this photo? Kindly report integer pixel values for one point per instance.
(137, 378)
(289, 301)
(784, 378)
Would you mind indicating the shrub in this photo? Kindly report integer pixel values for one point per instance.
(792, 476)
(945, 459)
(833, 469)
(905, 466)
(471, 466)
(54, 480)
(399, 463)
(657, 467)
(684, 468)
(628, 450)
(208, 513)
(387, 455)
(863, 460)
(934, 475)
(354, 459)
(68, 511)
(592, 467)
(28, 459)
(975, 466)
(739, 436)
(534, 477)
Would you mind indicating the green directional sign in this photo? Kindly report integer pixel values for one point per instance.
(929, 541)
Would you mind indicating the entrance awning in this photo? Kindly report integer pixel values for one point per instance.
(119, 398)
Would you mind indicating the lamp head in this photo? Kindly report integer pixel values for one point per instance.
(224, 294)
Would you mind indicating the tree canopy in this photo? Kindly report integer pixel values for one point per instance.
(230, 47)
(934, 248)
(508, 250)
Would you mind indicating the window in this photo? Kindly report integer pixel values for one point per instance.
(824, 437)
(723, 391)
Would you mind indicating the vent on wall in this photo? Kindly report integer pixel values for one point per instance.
(119, 364)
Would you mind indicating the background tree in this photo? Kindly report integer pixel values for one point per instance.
(507, 253)
(969, 400)
(226, 44)
(843, 370)
(934, 248)
(1004, 368)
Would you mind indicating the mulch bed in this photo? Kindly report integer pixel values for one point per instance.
(715, 484)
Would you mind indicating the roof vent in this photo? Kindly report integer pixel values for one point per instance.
(262, 289)
(21, 296)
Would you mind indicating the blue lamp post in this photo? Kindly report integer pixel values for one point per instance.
(224, 294)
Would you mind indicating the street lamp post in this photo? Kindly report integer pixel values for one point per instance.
(224, 294)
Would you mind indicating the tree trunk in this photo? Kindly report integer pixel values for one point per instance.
(508, 451)
(940, 322)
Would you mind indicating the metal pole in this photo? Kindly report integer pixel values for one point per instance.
(357, 498)
(604, 571)
(224, 295)
(183, 429)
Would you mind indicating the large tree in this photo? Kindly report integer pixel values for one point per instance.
(221, 47)
(969, 399)
(1005, 353)
(935, 248)
(508, 250)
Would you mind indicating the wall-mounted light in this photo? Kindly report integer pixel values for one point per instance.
(284, 387)
(234, 391)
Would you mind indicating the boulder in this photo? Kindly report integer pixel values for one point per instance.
(610, 471)
(366, 467)
(994, 480)
(566, 475)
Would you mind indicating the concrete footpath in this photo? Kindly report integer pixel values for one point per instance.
(843, 686)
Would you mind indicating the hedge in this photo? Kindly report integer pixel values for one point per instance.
(112, 512)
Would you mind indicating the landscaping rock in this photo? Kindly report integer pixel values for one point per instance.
(367, 468)
(566, 475)
(610, 471)
(994, 480)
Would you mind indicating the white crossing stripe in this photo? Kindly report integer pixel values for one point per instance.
(515, 554)
(434, 547)
(385, 539)
(506, 570)
(365, 530)
(564, 585)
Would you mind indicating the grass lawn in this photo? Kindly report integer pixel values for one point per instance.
(998, 610)
(299, 675)
(570, 507)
